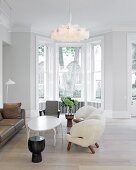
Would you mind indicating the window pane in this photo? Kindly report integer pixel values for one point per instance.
(41, 91)
(97, 85)
(41, 70)
(133, 71)
(70, 71)
(97, 57)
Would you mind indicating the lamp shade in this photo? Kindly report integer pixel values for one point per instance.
(10, 82)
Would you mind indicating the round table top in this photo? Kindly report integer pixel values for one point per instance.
(43, 123)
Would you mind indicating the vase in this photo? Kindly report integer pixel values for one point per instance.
(69, 111)
(69, 120)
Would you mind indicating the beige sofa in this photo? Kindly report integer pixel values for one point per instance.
(9, 127)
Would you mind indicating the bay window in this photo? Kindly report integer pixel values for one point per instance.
(71, 69)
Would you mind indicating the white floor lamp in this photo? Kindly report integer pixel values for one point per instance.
(9, 82)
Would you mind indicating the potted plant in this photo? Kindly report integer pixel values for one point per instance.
(68, 102)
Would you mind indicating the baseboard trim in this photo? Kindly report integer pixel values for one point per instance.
(120, 114)
(108, 113)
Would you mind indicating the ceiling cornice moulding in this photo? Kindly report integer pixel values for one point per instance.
(125, 28)
(23, 28)
(16, 28)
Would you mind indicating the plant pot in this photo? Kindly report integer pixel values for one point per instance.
(69, 119)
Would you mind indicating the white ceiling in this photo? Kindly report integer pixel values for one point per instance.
(95, 15)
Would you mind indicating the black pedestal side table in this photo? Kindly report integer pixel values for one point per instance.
(36, 145)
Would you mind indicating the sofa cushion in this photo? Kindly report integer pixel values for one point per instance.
(12, 122)
(6, 131)
(1, 116)
(12, 110)
(19, 124)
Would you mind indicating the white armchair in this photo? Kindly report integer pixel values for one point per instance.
(88, 112)
(86, 133)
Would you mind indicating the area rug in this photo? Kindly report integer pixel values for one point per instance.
(107, 168)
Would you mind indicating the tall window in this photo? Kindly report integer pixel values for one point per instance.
(96, 71)
(42, 51)
(131, 64)
(133, 71)
(70, 72)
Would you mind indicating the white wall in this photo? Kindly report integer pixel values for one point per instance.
(16, 65)
(4, 38)
(115, 74)
(119, 74)
(5, 34)
(33, 73)
(108, 71)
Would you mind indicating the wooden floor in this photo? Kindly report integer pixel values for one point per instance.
(117, 148)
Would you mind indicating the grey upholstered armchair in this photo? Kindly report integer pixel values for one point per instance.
(52, 108)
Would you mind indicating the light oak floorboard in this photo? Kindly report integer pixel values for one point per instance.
(117, 148)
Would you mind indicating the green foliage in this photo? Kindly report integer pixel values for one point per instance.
(68, 102)
(133, 56)
(69, 50)
(41, 50)
(77, 93)
(75, 102)
(133, 86)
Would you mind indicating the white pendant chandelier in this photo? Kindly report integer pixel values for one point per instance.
(69, 32)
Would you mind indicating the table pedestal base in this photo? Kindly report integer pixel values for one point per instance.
(69, 120)
(36, 157)
(36, 145)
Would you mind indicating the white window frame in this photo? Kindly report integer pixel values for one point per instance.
(47, 43)
(90, 43)
(93, 71)
(82, 46)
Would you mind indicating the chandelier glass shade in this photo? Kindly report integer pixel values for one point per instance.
(69, 32)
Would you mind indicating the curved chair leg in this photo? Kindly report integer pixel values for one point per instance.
(96, 144)
(69, 146)
(40, 112)
(92, 150)
(58, 114)
(44, 112)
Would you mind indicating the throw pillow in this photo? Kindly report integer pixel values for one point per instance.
(84, 111)
(12, 110)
